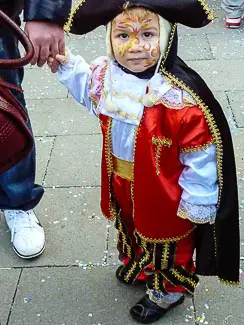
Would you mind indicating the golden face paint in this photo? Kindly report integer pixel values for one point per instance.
(135, 41)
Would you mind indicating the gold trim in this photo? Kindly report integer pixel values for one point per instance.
(124, 241)
(171, 38)
(165, 257)
(229, 283)
(109, 163)
(209, 12)
(163, 240)
(132, 183)
(183, 278)
(69, 23)
(132, 269)
(196, 148)
(160, 142)
(211, 123)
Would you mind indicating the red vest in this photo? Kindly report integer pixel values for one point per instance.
(161, 136)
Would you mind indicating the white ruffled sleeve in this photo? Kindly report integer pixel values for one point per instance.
(75, 76)
(200, 185)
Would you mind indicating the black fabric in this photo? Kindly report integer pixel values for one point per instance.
(224, 259)
(47, 10)
(147, 74)
(94, 13)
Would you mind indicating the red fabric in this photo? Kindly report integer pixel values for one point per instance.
(185, 247)
(157, 168)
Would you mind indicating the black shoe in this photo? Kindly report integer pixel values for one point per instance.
(146, 311)
(121, 279)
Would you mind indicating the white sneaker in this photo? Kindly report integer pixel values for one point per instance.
(27, 234)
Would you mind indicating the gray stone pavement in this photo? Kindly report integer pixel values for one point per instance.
(73, 281)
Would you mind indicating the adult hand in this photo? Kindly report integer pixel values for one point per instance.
(47, 39)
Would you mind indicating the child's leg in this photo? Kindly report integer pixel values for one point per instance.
(127, 245)
(173, 276)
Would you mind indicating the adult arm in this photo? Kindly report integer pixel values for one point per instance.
(44, 26)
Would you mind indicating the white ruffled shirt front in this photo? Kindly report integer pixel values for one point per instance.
(199, 177)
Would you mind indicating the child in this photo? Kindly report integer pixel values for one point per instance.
(168, 172)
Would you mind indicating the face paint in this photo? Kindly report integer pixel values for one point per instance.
(135, 41)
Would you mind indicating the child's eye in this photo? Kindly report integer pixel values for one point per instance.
(147, 34)
(123, 36)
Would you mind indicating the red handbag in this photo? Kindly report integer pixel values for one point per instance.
(16, 139)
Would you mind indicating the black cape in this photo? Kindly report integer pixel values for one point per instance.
(218, 245)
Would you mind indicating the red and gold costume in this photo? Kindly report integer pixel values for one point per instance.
(144, 197)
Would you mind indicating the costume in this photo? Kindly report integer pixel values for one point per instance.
(167, 159)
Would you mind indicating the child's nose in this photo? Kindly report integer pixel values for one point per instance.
(135, 46)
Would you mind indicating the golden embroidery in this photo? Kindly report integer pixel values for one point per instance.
(171, 38)
(183, 278)
(211, 123)
(126, 248)
(163, 240)
(165, 256)
(109, 163)
(132, 269)
(207, 10)
(132, 183)
(160, 142)
(156, 285)
(196, 148)
(69, 23)
(230, 283)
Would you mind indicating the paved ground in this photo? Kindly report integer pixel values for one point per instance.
(73, 281)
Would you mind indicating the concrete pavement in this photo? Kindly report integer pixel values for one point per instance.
(73, 281)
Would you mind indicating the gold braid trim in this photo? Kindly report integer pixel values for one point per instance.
(163, 240)
(147, 255)
(171, 38)
(69, 23)
(209, 12)
(159, 142)
(132, 269)
(126, 251)
(156, 285)
(211, 123)
(183, 278)
(229, 283)
(165, 257)
(109, 163)
(196, 148)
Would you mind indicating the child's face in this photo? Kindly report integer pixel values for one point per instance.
(135, 41)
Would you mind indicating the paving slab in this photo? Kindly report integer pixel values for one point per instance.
(42, 83)
(221, 75)
(236, 99)
(8, 282)
(194, 47)
(61, 117)
(75, 161)
(75, 230)
(227, 46)
(74, 296)
(219, 304)
(43, 155)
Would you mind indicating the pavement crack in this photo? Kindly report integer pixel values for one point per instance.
(48, 162)
(14, 296)
(232, 115)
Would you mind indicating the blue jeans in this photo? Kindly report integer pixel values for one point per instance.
(17, 185)
(233, 8)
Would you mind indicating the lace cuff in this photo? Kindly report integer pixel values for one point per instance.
(197, 213)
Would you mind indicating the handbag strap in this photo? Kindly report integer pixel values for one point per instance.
(16, 63)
